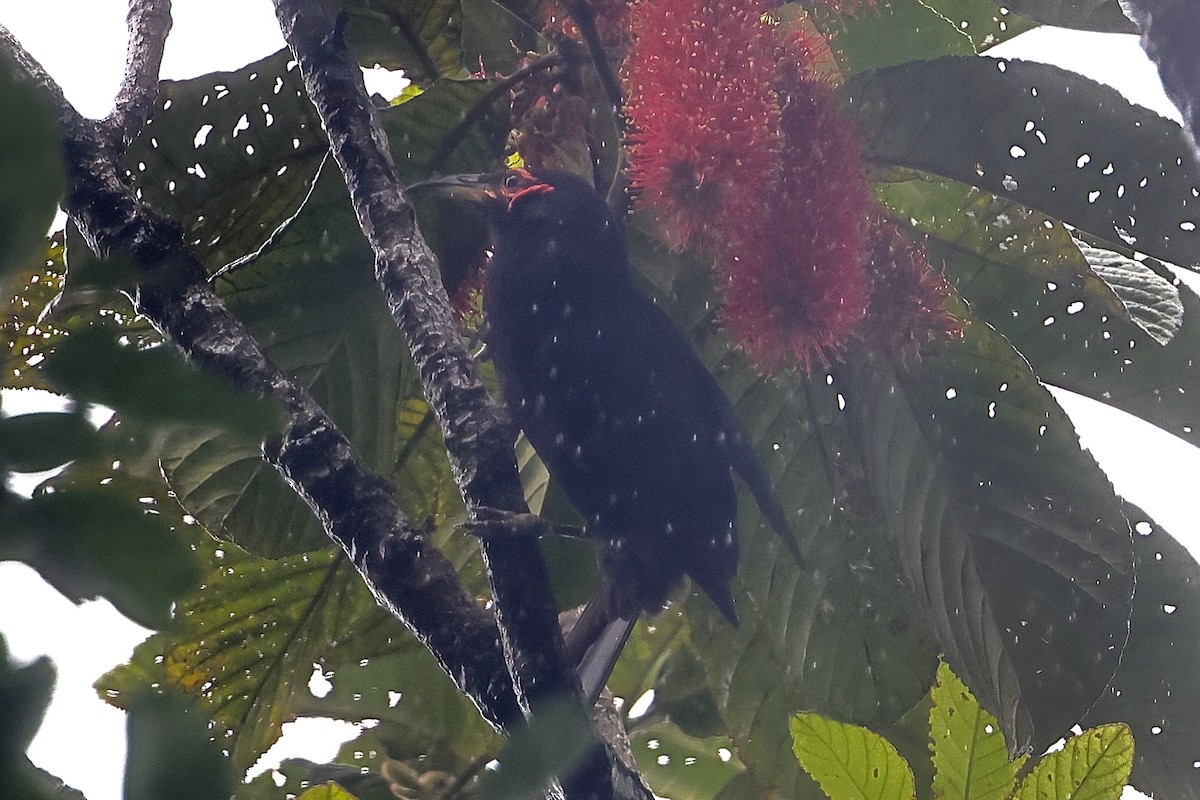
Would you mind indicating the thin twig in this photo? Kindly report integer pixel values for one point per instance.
(148, 23)
(499, 89)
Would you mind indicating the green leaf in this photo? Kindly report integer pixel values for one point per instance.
(154, 385)
(243, 645)
(92, 542)
(684, 767)
(24, 696)
(1044, 137)
(171, 756)
(1091, 766)
(849, 761)
(231, 156)
(45, 440)
(1010, 533)
(1021, 273)
(421, 37)
(1154, 691)
(495, 37)
(970, 758)
(31, 170)
(552, 744)
(1104, 16)
(27, 337)
(330, 791)
(1151, 300)
(898, 31)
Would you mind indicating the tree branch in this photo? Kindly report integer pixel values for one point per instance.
(148, 23)
(1170, 30)
(478, 436)
(408, 575)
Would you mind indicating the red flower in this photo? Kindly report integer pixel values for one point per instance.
(704, 142)
(908, 298)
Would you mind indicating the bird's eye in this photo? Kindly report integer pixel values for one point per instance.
(512, 181)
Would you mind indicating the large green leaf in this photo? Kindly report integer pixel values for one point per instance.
(898, 31)
(243, 645)
(423, 38)
(1021, 273)
(231, 156)
(845, 638)
(683, 767)
(1010, 532)
(1155, 691)
(1047, 138)
(27, 336)
(1104, 16)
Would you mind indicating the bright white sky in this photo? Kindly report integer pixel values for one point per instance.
(81, 43)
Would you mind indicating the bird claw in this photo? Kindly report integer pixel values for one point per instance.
(494, 523)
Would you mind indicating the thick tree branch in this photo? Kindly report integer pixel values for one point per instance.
(148, 23)
(479, 439)
(403, 570)
(1170, 32)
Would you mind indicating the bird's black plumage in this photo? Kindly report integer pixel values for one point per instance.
(611, 395)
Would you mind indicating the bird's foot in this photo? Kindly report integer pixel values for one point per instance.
(496, 523)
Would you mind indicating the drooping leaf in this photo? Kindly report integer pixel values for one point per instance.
(1020, 274)
(900, 31)
(1153, 691)
(970, 758)
(154, 385)
(24, 695)
(1104, 16)
(553, 743)
(171, 754)
(1047, 138)
(1010, 532)
(45, 440)
(329, 791)
(31, 171)
(95, 542)
(849, 761)
(1092, 766)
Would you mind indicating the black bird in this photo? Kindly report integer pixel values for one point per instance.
(615, 402)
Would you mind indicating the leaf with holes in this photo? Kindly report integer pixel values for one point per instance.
(1010, 533)
(846, 637)
(27, 337)
(850, 761)
(683, 767)
(1154, 690)
(229, 155)
(243, 645)
(1091, 766)
(908, 30)
(1020, 273)
(423, 38)
(970, 758)
(1044, 137)
(1104, 16)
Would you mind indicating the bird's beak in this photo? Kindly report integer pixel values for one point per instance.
(478, 189)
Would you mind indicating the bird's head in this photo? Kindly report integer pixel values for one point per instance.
(529, 203)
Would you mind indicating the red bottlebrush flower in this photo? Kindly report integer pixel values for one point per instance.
(799, 287)
(908, 297)
(704, 142)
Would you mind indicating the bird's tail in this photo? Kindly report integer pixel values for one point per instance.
(596, 641)
(746, 461)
